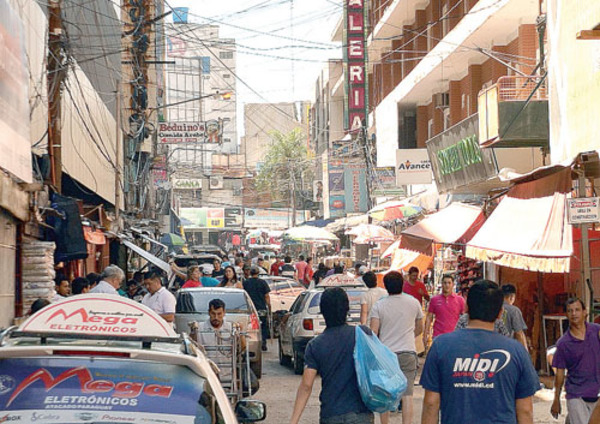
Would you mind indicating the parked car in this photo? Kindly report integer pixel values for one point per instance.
(192, 305)
(105, 359)
(304, 322)
(284, 292)
(211, 249)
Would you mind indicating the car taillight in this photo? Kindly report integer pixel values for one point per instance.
(254, 322)
(308, 324)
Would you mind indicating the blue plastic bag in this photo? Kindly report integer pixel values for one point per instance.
(380, 380)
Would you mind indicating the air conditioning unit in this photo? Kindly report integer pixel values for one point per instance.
(216, 182)
(441, 100)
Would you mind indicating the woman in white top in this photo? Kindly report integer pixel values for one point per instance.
(230, 279)
(368, 299)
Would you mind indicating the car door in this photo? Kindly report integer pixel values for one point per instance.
(288, 320)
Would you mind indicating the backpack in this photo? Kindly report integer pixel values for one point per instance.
(380, 381)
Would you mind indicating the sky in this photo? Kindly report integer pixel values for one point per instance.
(280, 62)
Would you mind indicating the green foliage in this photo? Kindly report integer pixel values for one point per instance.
(286, 165)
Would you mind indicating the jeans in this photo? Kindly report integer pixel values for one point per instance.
(350, 418)
(264, 329)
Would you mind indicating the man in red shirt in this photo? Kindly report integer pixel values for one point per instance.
(275, 267)
(414, 287)
(300, 268)
(445, 308)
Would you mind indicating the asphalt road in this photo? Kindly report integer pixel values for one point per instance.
(279, 384)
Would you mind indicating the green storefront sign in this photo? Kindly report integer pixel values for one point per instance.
(456, 157)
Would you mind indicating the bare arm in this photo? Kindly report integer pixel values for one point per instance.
(559, 380)
(431, 408)
(178, 271)
(520, 336)
(418, 326)
(168, 317)
(525, 410)
(375, 325)
(427, 329)
(303, 394)
(268, 300)
(364, 314)
(595, 418)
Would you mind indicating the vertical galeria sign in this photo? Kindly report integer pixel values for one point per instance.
(356, 59)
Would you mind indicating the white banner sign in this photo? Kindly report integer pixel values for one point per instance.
(181, 132)
(413, 167)
(583, 210)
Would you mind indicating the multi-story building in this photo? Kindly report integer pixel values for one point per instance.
(430, 60)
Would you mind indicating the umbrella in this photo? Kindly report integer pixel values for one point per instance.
(389, 252)
(171, 239)
(394, 210)
(308, 233)
(368, 233)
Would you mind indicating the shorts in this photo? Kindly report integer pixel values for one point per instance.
(408, 364)
(579, 410)
(350, 418)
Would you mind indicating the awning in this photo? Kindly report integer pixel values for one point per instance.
(149, 257)
(529, 229)
(341, 224)
(455, 224)
(94, 236)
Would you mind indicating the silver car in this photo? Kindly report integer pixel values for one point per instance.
(192, 305)
(304, 322)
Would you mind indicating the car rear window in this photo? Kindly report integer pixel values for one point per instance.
(353, 296)
(86, 389)
(197, 301)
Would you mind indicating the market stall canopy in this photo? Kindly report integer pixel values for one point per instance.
(308, 233)
(455, 224)
(403, 259)
(390, 250)
(172, 239)
(395, 209)
(368, 233)
(529, 229)
(342, 224)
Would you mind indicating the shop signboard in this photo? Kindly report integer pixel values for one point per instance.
(383, 182)
(457, 159)
(356, 193)
(187, 184)
(583, 210)
(190, 132)
(270, 219)
(233, 217)
(215, 218)
(412, 167)
(355, 58)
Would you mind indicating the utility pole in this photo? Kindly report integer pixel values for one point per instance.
(363, 136)
(118, 155)
(55, 79)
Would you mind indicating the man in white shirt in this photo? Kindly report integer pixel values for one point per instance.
(397, 320)
(110, 281)
(159, 299)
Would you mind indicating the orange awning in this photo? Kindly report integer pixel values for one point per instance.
(455, 224)
(529, 230)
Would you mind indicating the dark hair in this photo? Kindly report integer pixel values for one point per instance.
(301, 257)
(338, 269)
(484, 301)
(225, 280)
(79, 284)
(508, 289)
(93, 278)
(334, 306)
(393, 282)
(138, 276)
(39, 304)
(216, 304)
(370, 279)
(308, 259)
(413, 269)
(572, 300)
(287, 259)
(321, 266)
(60, 277)
(152, 274)
(450, 276)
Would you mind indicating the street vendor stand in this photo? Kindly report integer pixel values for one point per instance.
(310, 241)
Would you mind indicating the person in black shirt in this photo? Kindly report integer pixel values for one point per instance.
(258, 290)
(217, 270)
(287, 269)
(331, 356)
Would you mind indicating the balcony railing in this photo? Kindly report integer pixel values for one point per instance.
(520, 88)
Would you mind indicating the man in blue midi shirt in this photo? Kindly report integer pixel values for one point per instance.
(331, 356)
(475, 375)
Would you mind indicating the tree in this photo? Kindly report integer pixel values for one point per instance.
(286, 167)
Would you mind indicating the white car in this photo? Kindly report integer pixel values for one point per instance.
(106, 359)
(304, 322)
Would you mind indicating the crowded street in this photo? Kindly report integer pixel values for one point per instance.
(300, 212)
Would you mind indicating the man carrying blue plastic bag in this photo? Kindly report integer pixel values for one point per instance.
(475, 375)
(331, 356)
